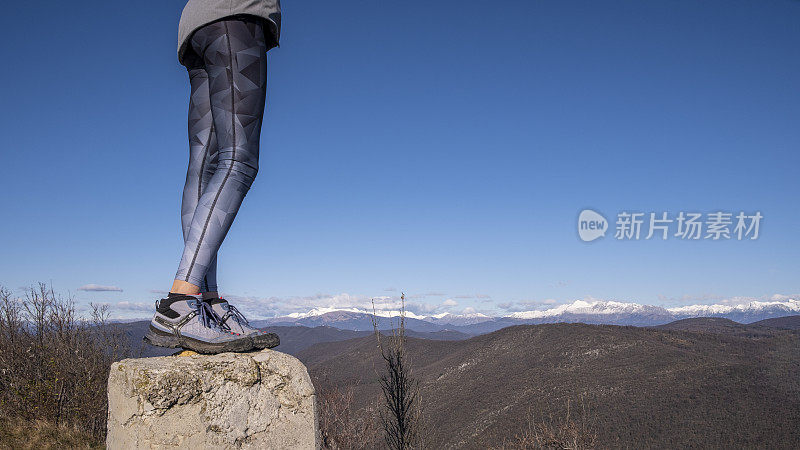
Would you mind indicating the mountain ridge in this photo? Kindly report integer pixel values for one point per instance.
(591, 312)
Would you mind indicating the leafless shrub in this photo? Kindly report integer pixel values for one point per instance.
(400, 414)
(341, 425)
(566, 433)
(54, 365)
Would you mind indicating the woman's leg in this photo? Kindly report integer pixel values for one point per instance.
(234, 55)
(203, 159)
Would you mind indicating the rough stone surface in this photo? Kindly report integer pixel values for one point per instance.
(231, 400)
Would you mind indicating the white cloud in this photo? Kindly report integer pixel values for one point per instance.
(483, 297)
(134, 306)
(422, 308)
(123, 309)
(781, 297)
(522, 305)
(99, 288)
(690, 298)
(267, 307)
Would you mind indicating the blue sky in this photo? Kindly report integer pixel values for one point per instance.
(442, 148)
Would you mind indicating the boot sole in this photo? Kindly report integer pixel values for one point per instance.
(269, 340)
(159, 338)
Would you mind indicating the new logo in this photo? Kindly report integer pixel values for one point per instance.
(591, 225)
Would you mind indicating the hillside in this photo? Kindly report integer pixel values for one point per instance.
(347, 320)
(720, 325)
(783, 323)
(297, 338)
(704, 325)
(643, 387)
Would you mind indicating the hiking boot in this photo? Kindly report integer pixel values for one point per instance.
(232, 318)
(187, 322)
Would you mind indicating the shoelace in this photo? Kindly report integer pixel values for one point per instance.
(208, 317)
(237, 315)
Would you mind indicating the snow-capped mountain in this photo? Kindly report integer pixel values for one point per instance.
(457, 319)
(620, 313)
(352, 319)
(743, 313)
(598, 311)
(586, 311)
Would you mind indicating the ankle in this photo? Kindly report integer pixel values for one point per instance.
(210, 295)
(184, 287)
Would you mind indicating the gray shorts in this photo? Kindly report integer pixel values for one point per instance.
(198, 13)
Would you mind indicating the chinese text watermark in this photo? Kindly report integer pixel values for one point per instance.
(713, 226)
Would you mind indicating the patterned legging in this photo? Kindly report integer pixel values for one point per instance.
(226, 109)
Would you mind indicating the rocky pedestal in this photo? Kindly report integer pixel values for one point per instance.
(231, 400)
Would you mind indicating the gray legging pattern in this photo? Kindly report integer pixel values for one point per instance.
(226, 109)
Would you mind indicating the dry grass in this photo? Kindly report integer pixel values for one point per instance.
(571, 432)
(340, 424)
(54, 367)
(18, 434)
